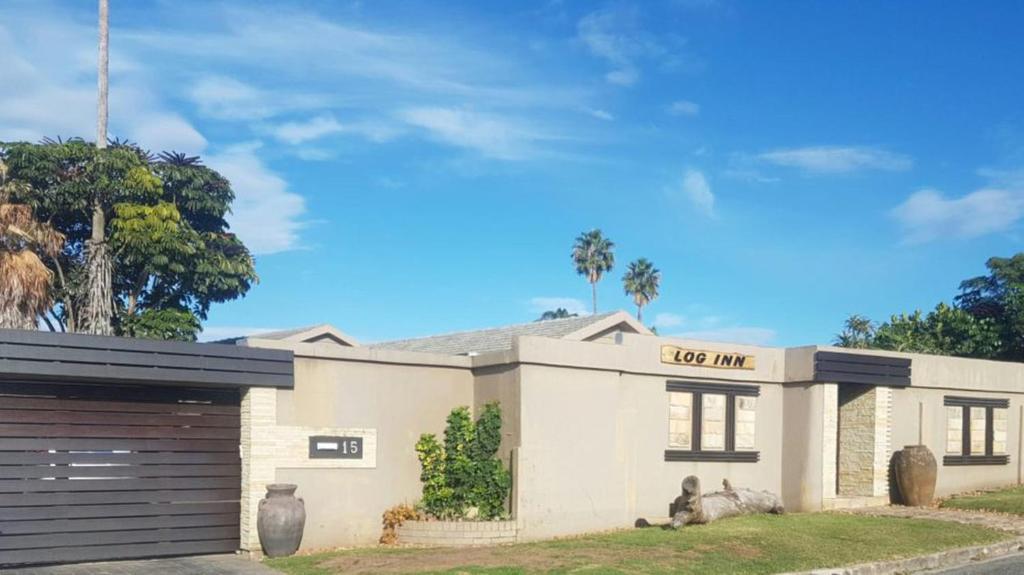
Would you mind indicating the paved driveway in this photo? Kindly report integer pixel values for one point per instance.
(202, 565)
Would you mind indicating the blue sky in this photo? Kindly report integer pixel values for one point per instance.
(408, 168)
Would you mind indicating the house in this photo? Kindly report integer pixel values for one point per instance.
(602, 420)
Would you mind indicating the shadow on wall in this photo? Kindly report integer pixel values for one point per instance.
(894, 487)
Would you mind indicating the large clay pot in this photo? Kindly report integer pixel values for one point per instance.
(915, 470)
(281, 520)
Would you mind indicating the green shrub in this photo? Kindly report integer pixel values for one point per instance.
(491, 481)
(465, 472)
(458, 466)
(437, 496)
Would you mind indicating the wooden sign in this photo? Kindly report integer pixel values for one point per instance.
(702, 358)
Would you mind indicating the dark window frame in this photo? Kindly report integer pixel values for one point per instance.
(731, 392)
(965, 457)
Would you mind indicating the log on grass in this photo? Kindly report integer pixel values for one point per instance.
(693, 507)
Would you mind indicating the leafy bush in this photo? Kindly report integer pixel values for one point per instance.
(464, 472)
(437, 496)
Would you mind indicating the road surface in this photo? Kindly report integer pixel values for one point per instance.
(1012, 565)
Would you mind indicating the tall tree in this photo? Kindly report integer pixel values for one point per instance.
(999, 297)
(945, 330)
(593, 256)
(171, 250)
(642, 281)
(67, 181)
(176, 257)
(25, 281)
(98, 312)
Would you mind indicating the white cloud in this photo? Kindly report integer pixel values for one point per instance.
(539, 305)
(241, 68)
(615, 36)
(167, 132)
(737, 334)
(296, 133)
(390, 183)
(664, 320)
(927, 215)
(684, 108)
(49, 79)
(315, 128)
(493, 136)
(601, 114)
(356, 65)
(747, 168)
(314, 154)
(626, 76)
(837, 159)
(695, 190)
(48, 58)
(265, 214)
(1012, 178)
(375, 130)
(702, 324)
(746, 174)
(226, 98)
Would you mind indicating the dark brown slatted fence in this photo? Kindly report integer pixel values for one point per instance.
(93, 472)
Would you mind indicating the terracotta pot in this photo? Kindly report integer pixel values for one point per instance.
(281, 520)
(915, 470)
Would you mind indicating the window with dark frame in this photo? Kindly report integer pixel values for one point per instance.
(976, 431)
(712, 422)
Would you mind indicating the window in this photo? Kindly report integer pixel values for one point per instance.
(976, 431)
(711, 422)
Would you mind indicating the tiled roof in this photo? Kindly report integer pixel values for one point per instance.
(492, 339)
(309, 333)
(286, 333)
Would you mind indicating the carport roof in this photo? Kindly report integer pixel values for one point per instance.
(60, 357)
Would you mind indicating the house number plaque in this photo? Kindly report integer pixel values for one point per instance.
(335, 447)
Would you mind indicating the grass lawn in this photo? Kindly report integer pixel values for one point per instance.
(1009, 500)
(743, 545)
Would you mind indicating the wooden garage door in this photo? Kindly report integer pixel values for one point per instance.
(102, 472)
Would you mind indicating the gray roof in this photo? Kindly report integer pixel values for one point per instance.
(286, 333)
(318, 332)
(492, 339)
(280, 334)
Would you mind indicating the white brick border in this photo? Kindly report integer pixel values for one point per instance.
(457, 533)
(829, 440)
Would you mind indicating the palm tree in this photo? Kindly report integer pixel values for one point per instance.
(99, 302)
(641, 281)
(25, 293)
(858, 332)
(593, 256)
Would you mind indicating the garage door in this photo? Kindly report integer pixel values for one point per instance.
(92, 472)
